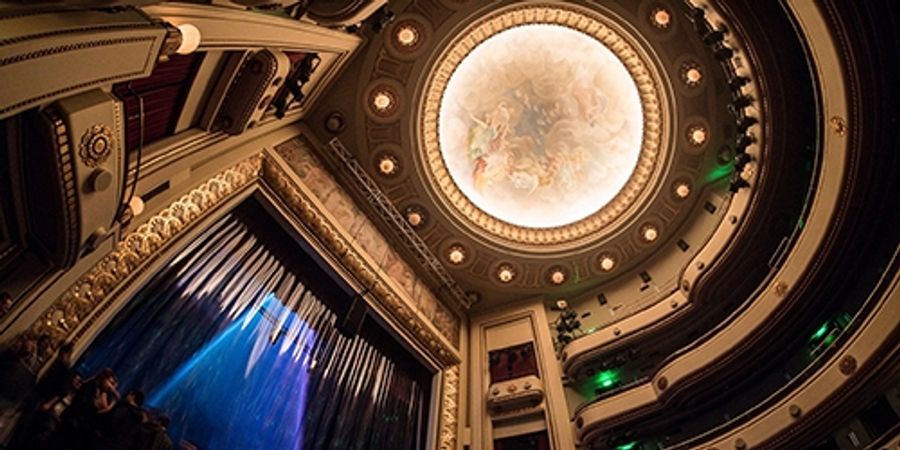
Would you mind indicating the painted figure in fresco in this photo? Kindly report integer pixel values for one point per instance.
(487, 145)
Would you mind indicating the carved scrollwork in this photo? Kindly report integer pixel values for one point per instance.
(93, 291)
(449, 409)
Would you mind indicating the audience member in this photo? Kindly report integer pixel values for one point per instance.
(155, 436)
(61, 412)
(16, 383)
(58, 378)
(80, 421)
(121, 427)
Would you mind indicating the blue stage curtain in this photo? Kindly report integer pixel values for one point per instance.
(239, 350)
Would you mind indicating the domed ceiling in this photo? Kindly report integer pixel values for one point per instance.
(546, 148)
(532, 117)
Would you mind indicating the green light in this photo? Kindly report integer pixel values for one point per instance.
(719, 172)
(820, 332)
(606, 379)
(628, 446)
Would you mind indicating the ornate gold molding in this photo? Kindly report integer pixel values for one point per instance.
(655, 130)
(96, 145)
(449, 409)
(73, 313)
(392, 300)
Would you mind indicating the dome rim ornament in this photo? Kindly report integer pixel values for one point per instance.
(655, 151)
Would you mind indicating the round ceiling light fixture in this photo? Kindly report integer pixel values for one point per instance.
(407, 35)
(557, 276)
(682, 190)
(691, 75)
(607, 263)
(505, 273)
(649, 233)
(415, 216)
(382, 101)
(661, 18)
(456, 255)
(387, 165)
(697, 135)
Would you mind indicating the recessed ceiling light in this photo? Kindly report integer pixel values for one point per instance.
(660, 18)
(456, 255)
(415, 216)
(387, 165)
(407, 35)
(607, 263)
(557, 277)
(693, 76)
(682, 190)
(382, 101)
(649, 233)
(697, 135)
(505, 273)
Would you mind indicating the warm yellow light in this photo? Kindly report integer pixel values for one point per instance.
(650, 233)
(190, 39)
(407, 36)
(456, 255)
(414, 218)
(607, 263)
(558, 277)
(382, 101)
(661, 18)
(505, 274)
(693, 75)
(387, 165)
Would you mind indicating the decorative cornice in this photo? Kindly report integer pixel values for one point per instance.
(653, 149)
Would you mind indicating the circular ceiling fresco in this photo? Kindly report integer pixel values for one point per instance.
(540, 125)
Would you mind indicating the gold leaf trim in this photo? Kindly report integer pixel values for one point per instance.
(449, 409)
(73, 313)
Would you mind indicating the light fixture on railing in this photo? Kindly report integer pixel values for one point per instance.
(190, 39)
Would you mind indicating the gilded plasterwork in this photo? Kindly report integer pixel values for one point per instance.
(494, 119)
(69, 317)
(449, 409)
